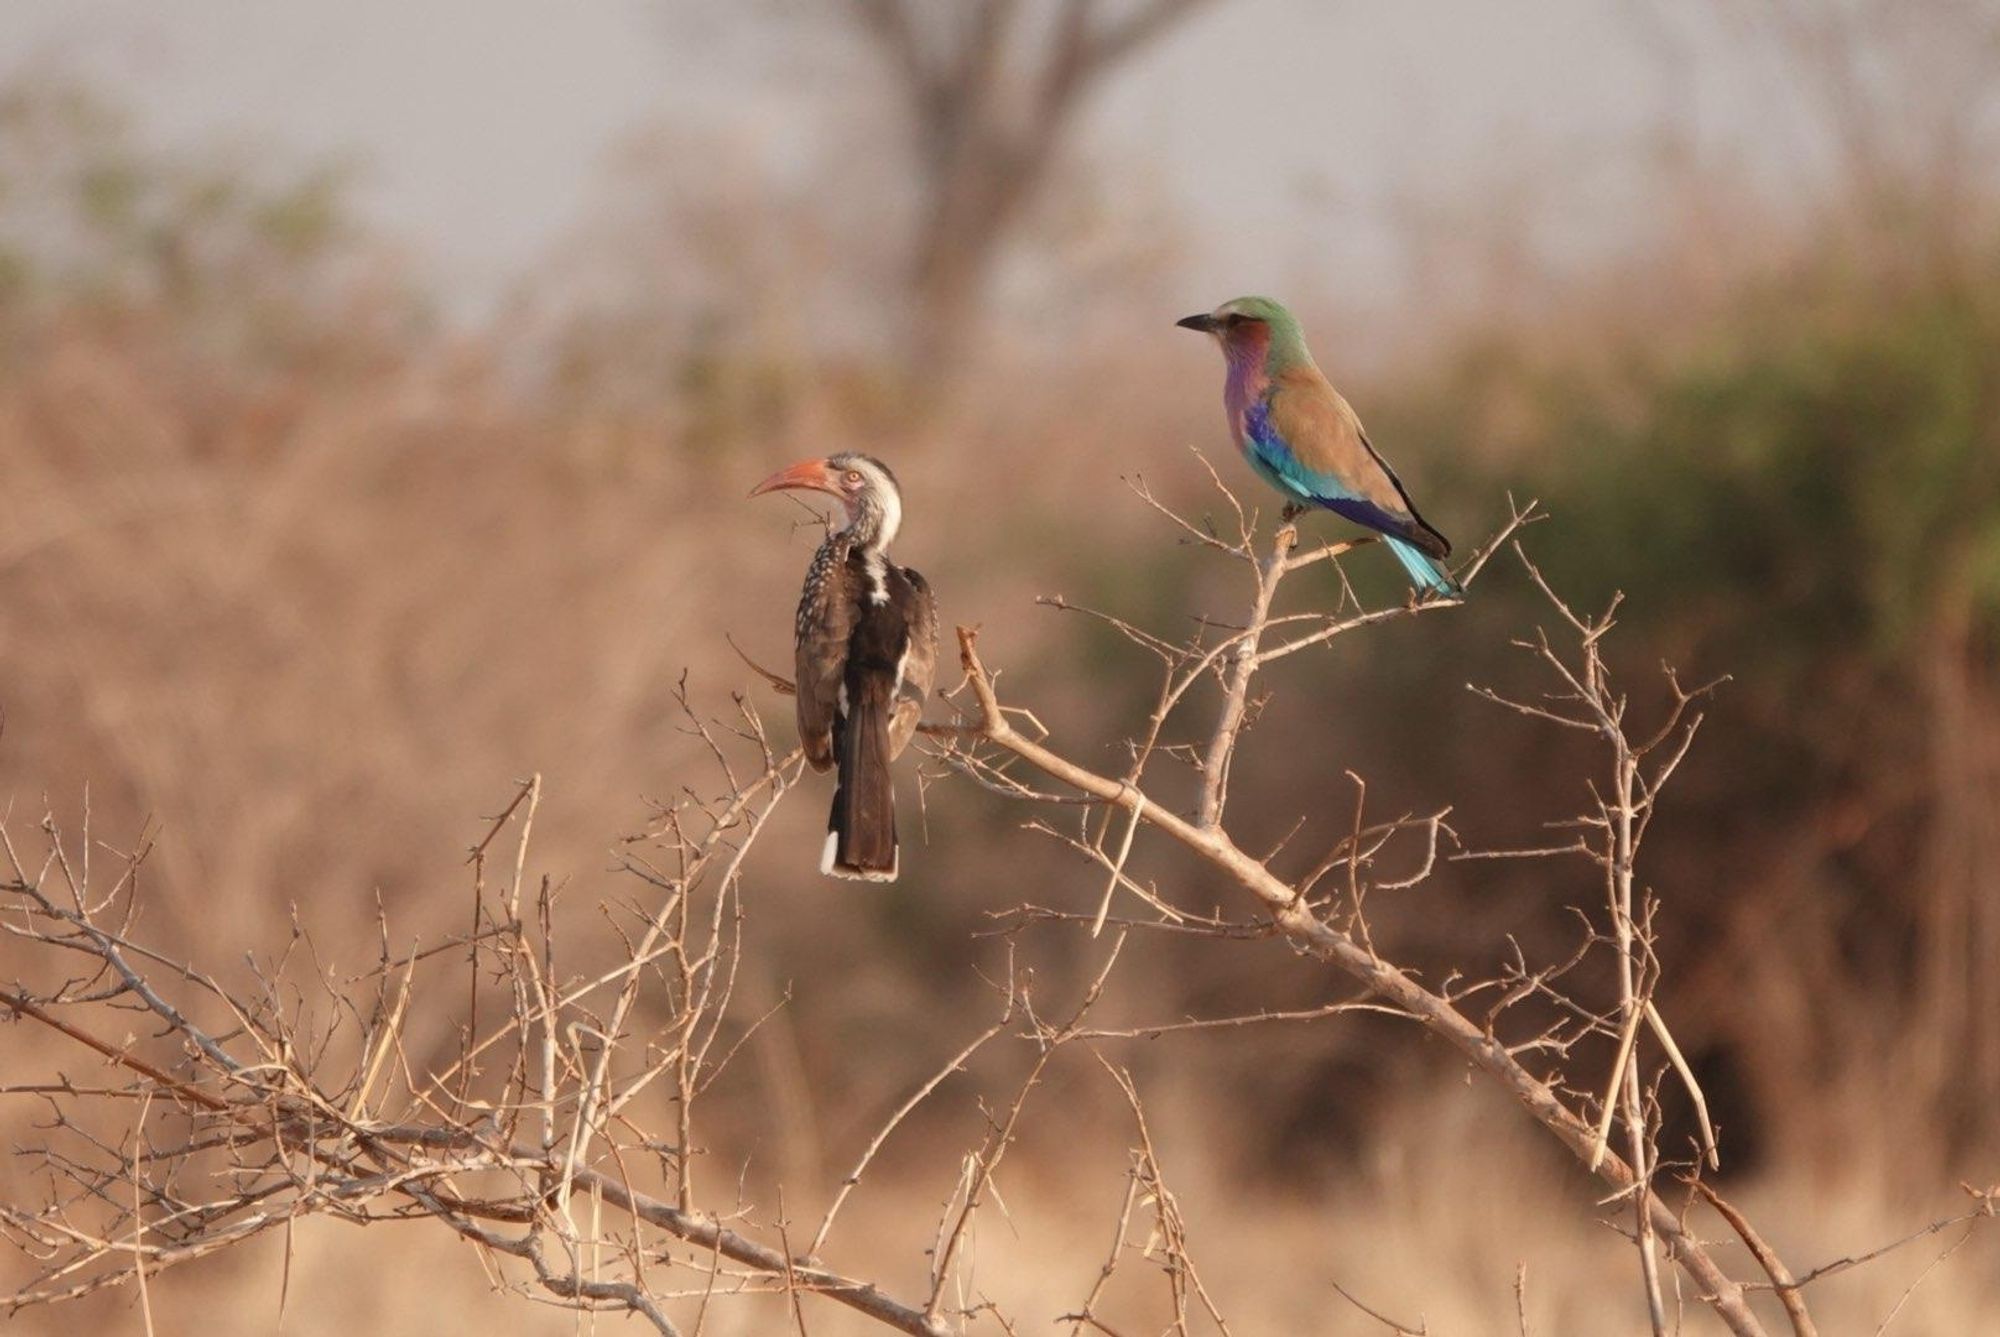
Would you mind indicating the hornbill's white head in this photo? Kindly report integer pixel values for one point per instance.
(864, 487)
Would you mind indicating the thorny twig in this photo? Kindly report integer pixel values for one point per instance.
(285, 1120)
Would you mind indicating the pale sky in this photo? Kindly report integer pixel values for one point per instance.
(1283, 128)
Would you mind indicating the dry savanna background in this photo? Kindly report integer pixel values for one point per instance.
(412, 914)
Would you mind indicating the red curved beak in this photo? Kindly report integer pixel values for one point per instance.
(811, 474)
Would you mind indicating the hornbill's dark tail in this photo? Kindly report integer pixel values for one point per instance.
(861, 829)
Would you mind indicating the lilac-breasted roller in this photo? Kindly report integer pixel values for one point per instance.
(1295, 430)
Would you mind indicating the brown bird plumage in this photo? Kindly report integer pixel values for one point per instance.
(866, 655)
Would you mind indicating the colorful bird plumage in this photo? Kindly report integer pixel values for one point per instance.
(1298, 433)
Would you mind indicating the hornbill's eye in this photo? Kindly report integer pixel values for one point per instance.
(853, 477)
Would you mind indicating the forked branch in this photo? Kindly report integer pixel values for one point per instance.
(1292, 911)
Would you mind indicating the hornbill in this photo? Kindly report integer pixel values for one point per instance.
(866, 653)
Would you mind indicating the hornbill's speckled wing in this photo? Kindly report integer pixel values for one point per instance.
(920, 668)
(830, 609)
(827, 609)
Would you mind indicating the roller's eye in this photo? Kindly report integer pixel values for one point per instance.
(1232, 320)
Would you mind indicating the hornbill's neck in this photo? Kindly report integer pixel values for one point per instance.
(875, 514)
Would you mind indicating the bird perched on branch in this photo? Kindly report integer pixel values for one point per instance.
(866, 641)
(1297, 431)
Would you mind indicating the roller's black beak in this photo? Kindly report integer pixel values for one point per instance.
(1203, 324)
